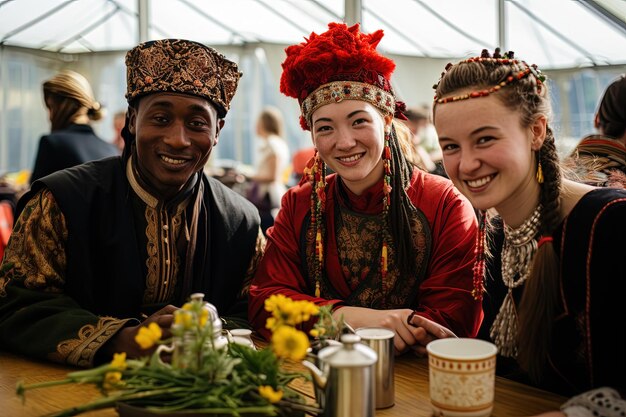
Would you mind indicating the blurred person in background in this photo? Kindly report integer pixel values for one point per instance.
(299, 161)
(418, 122)
(600, 159)
(417, 119)
(119, 119)
(71, 107)
(268, 182)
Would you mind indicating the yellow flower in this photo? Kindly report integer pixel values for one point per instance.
(275, 301)
(119, 361)
(268, 393)
(290, 343)
(148, 336)
(271, 323)
(204, 316)
(317, 332)
(285, 311)
(184, 318)
(304, 311)
(112, 380)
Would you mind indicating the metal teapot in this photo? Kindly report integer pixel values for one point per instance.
(185, 349)
(346, 378)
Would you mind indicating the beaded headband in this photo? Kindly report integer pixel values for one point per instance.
(338, 91)
(496, 59)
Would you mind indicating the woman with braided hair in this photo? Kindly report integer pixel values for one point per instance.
(383, 242)
(553, 281)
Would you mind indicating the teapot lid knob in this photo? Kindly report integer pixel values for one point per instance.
(350, 354)
(213, 316)
(349, 340)
(197, 296)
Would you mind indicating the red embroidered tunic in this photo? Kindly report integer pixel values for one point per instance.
(444, 233)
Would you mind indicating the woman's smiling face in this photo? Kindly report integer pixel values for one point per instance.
(350, 137)
(487, 153)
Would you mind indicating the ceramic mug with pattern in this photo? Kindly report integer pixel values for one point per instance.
(461, 377)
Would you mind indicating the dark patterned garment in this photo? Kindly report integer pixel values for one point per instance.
(589, 334)
(64, 148)
(444, 232)
(359, 237)
(80, 265)
(598, 160)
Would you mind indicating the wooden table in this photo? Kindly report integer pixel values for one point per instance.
(411, 383)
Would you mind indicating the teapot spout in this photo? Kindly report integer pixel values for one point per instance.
(319, 380)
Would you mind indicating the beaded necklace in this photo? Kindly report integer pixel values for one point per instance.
(517, 254)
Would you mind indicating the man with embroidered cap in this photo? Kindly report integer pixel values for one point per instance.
(101, 249)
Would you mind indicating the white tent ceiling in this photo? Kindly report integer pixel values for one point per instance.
(551, 33)
(581, 44)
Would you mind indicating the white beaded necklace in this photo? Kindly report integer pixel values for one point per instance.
(517, 254)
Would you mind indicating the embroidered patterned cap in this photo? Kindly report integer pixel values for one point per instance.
(339, 64)
(181, 66)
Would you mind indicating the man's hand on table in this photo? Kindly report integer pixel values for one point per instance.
(124, 340)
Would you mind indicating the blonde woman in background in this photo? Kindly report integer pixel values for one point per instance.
(268, 182)
(72, 141)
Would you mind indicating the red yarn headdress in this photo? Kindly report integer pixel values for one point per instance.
(340, 64)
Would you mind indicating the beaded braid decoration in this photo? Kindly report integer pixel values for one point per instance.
(478, 269)
(517, 254)
(386, 204)
(317, 176)
(497, 59)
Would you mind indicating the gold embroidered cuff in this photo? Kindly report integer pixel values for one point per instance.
(82, 350)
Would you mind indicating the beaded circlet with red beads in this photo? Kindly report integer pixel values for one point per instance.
(496, 59)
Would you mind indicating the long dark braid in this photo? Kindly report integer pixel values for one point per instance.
(540, 298)
(402, 212)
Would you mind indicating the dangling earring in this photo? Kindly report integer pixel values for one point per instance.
(539, 173)
(309, 168)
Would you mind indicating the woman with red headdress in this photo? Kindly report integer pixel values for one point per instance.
(383, 242)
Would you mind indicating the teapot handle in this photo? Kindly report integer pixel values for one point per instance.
(163, 348)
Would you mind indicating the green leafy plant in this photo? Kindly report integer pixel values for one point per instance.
(203, 375)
